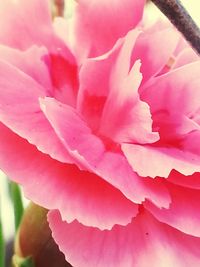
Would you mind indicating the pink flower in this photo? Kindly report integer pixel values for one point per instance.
(98, 24)
(139, 133)
(109, 146)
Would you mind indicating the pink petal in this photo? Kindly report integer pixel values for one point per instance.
(160, 161)
(123, 65)
(96, 23)
(117, 94)
(61, 27)
(64, 30)
(30, 62)
(174, 127)
(20, 111)
(184, 211)
(32, 24)
(64, 78)
(191, 142)
(190, 181)
(77, 194)
(31, 20)
(177, 104)
(95, 73)
(136, 125)
(182, 45)
(177, 91)
(146, 49)
(142, 243)
(91, 152)
(185, 57)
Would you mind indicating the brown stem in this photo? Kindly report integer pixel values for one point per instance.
(60, 5)
(180, 18)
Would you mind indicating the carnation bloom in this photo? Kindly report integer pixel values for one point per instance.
(109, 146)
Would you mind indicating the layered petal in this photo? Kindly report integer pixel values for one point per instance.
(95, 85)
(17, 15)
(146, 49)
(109, 89)
(20, 111)
(174, 102)
(184, 211)
(15, 18)
(125, 117)
(31, 20)
(143, 241)
(123, 98)
(163, 160)
(64, 77)
(175, 92)
(96, 24)
(85, 140)
(188, 181)
(93, 154)
(77, 194)
(187, 56)
(31, 62)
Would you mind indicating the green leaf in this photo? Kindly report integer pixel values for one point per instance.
(23, 262)
(17, 203)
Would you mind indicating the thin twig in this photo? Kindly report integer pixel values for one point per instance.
(178, 15)
(60, 6)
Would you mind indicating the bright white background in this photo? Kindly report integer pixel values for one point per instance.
(193, 6)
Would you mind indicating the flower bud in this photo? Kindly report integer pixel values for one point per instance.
(34, 240)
